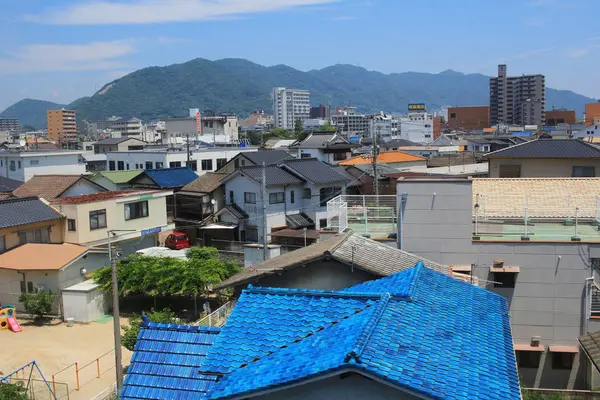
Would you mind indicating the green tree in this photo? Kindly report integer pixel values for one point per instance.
(164, 276)
(38, 304)
(327, 127)
(298, 127)
(132, 331)
(13, 391)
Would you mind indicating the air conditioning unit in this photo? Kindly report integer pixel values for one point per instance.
(535, 341)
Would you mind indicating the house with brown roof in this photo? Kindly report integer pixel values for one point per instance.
(394, 159)
(197, 202)
(139, 215)
(340, 261)
(51, 187)
(35, 267)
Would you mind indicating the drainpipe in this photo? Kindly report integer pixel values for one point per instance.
(400, 217)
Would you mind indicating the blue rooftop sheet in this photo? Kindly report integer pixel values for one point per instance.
(425, 332)
(166, 360)
(168, 178)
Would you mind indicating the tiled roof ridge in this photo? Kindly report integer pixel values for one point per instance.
(146, 323)
(412, 287)
(311, 292)
(18, 199)
(367, 331)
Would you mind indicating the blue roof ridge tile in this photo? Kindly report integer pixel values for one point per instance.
(367, 331)
(412, 287)
(146, 323)
(311, 292)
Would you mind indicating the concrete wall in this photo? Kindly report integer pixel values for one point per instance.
(85, 306)
(548, 299)
(80, 188)
(352, 387)
(41, 164)
(543, 168)
(11, 235)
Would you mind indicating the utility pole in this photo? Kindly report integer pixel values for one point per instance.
(187, 139)
(263, 191)
(116, 318)
(374, 161)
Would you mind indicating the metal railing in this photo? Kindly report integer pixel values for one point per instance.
(219, 316)
(366, 214)
(516, 206)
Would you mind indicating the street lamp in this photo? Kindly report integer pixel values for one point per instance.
(116, 319)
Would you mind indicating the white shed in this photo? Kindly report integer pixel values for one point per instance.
(85, 302)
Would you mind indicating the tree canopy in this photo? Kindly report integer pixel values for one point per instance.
(165, 276)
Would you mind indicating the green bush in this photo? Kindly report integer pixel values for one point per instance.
(129, 338)
(13, 391)
(38, 304)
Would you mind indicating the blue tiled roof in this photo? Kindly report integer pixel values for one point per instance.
(166, 360)
(167, 178)
(418, 330)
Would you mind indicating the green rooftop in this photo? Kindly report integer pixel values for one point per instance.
(118, 176)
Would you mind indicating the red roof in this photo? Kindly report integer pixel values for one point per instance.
(103, 196)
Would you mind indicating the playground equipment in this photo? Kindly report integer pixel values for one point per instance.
(8, 319)
(31, 377)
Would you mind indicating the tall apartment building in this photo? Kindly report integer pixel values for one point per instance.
(9, 125)
(348, 121)
(517, 100)
(320, 112)
(62, 125)
(290, 105)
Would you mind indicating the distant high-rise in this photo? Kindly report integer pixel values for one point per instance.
(9, 124)
(62, 125)
(320, 112)
(517, 100)
(290, 105)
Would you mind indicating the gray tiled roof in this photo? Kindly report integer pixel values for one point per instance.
(115, 140)
(269, 157)
(296, 221)
(590, 343)
(8, 185)
(25, 210)
(314, 170)
(323, 141)
(349, 248)
(352, 181)
(275, 175)
(549, 148)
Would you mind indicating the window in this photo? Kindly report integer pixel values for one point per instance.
(305, 155)
(528, 359)
(97, 219)
(19, 162)
(34, 162)
(121, 165)
(251, 234)
(579, 172)
(207, 165)
(30, 287)
(175, 164)
(71, 225)
(193, 164)
(563, 360)
(26, 285)
(231, 197)
(2, 244)
(221, 162)
(236, 163)
(327, 194)
(453, 115)
(136, 210)
(306, 194)
(505, 280)
(292, 195)
(148, 165)
(249, 198)
(276, 198)
(338, 156)
(509, 171)
(13, 165)
(159, 165)
(111, 166)
(243, 162)
(322, 223)
(35, 236)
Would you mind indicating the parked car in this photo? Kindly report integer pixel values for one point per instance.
(177, 241)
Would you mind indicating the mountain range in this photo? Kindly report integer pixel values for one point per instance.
(241, 86)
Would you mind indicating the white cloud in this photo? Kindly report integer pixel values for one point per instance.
(101, 12)
(171, 40)
(67, 57)
(575, 53)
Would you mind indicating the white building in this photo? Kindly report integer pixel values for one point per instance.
(127, 128)
(224, 125)
(23, 165)
(417, 127)
(201, 160)
(290, 105)
(314, 124)
(348, 121)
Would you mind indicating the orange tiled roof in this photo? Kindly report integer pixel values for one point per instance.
(42, 257)
(103, 196)
(385, 157)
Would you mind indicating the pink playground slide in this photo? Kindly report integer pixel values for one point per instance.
(13, 325)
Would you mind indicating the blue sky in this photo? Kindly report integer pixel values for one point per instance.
(60, 50)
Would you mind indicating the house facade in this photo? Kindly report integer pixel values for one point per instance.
(324, 146)
(22, 166)
(124, 143)
(138, 215)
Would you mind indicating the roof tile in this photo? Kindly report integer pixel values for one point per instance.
(25, 210)
(42, 257)
(385, 157)
(49, 187)
(207, 183)
(549, 148)
(314, 170)
(169, 178)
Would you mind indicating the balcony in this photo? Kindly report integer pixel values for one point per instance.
(368, 215)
